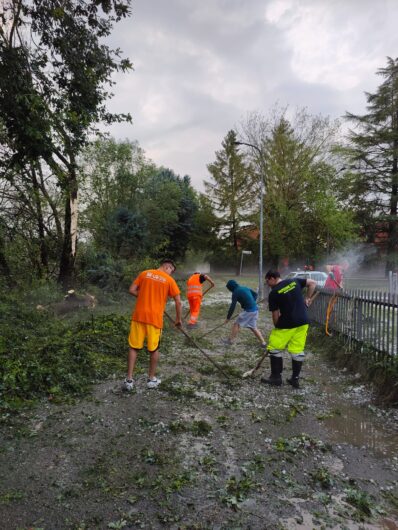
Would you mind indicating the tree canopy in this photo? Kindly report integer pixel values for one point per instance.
(54, 77)
(372, 158)
(229, 190)
(301, 213)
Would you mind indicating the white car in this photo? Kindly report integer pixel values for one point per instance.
(318, 276)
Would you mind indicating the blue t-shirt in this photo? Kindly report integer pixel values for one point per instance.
(288, 298)
(246, 297)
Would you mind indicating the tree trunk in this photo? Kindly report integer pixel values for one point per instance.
(68, 254)
(40, 223)
(392, 245)
(4, 267)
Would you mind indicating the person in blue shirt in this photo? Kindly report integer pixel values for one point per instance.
(248, 317)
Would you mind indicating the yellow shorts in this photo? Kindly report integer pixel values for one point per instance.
(294, 339)
(139, 331)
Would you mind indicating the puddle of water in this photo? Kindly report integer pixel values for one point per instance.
(360, 427)
(351, 419)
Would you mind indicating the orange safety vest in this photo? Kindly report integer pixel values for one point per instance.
(194, 287)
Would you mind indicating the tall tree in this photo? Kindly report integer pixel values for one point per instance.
(132, 207)
(34, 215)
(302, 217)
(373, 158)
(113, 176)
(204, 237)
(169, 205)
(54, 72)
(229, 190)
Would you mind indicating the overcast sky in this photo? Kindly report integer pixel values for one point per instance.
(201, 65)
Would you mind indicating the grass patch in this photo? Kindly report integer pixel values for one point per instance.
(236, 491)
(197, 428)
(301, 443)
(322, 476)
(180, 386)
(328, 414)
(361, 501)
(11, 496)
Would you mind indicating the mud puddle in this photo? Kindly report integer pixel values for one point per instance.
(352, 418)
(357, 426)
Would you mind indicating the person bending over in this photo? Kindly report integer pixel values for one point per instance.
(152, 288)
(195, 295)
(248, 317)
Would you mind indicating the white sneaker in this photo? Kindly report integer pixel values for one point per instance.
(153, 383)
(128, 385)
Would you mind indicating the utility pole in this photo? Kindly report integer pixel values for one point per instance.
(260, 250)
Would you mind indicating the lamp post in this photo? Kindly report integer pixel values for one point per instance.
(260, 257)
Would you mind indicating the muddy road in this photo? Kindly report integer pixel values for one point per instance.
(205, 451)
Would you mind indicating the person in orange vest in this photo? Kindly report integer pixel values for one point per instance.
(194, 295)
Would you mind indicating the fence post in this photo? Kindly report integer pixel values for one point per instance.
(358, 317)
(393, 285)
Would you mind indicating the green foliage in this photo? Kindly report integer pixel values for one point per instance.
(372, 160)
(169, 206)
(302, 216)
(126, 233)
(53, 90)
(201, 428)
(132, 208)
(179, 386)
(229, 191)
(301, 443)
(108, 273)
(322, 475)
(300, 193)
(55, 85)
(114, 175)
(8, 497)
(42, 356)
(362, 502)
(206, 226)
(237, 490)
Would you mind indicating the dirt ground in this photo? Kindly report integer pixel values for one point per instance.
(205, 451)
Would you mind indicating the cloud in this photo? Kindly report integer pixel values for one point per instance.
(332, 43)
(201, 66)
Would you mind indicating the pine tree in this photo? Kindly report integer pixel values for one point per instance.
(230, 190)
(373, 157)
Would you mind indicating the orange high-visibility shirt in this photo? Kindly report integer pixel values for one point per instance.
(194, 287)
(154, 287)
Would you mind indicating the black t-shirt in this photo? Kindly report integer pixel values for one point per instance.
(288, 298)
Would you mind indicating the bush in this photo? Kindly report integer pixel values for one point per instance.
(42, 356)
(108, 273)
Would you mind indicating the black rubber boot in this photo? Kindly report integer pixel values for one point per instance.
(296, 369)
(275, 379)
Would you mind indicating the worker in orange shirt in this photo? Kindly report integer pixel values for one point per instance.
(195, 295)
(152, 288)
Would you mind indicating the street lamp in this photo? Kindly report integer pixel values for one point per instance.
(247, 252)
(260, 257)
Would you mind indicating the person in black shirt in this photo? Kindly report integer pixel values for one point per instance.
(289, 315)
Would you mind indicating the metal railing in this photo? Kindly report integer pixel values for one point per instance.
(367, 318)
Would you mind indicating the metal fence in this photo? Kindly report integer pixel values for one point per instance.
(367, 318)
